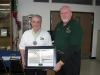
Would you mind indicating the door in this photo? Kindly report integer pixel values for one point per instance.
(85, 20)
(55, 19)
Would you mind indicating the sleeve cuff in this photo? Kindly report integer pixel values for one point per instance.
(61, 62)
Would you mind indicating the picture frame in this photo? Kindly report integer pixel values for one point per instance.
(40, 57)
(4, 32)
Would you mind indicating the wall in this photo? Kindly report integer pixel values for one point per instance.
(26, 7)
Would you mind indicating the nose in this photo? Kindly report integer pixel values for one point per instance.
(64, 14)
(35, 23)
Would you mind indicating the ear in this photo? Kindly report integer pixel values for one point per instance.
(71, 14)
(31, 23)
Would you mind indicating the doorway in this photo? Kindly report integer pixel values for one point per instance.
(86, 21)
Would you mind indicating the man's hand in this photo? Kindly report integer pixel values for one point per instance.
(58, 66)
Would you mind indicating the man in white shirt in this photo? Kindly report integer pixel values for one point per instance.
(34, 37)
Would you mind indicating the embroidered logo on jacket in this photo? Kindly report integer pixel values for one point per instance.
(68, 30)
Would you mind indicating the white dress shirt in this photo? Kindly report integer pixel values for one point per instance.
(43, 39)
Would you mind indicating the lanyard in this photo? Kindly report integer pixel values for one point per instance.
(37, 34)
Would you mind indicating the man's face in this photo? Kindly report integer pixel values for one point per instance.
(65, 14)
(36, 23)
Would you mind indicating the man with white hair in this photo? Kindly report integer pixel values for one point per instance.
(67, 39)
(34, 37)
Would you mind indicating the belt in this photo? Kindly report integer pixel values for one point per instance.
(61, 52)
(77, 52)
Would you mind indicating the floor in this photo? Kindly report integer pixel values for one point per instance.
(90, 67)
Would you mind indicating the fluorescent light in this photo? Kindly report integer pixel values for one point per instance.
(4, 4)
(4, 9)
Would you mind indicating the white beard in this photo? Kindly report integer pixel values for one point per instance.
(64, 20)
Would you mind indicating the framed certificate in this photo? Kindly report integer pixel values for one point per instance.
(40, 57)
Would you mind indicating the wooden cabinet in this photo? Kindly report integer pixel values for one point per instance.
(5, 24)
(98, 46)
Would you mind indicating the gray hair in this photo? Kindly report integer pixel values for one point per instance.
(38, 16)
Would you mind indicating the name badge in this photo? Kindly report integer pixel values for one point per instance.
(41, 38)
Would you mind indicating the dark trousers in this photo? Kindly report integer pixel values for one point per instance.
(35, 72)
(71, 66)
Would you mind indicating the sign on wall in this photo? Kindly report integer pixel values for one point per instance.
(97, 2)
(86, 2)
(41, 0)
